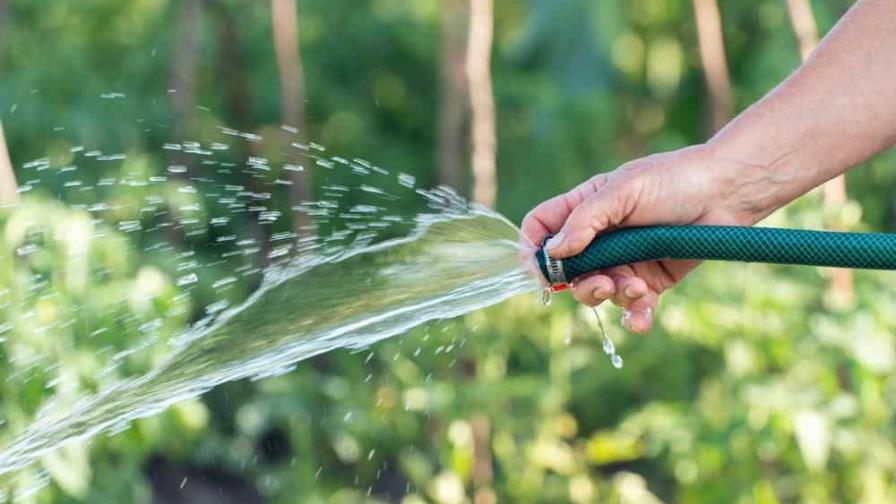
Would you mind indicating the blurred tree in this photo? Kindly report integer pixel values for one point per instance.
(712, 58)
(4, 13)
(453, 94)
(240, 113)
(185, 69)
(482, 470)
(8, 193)
(8, 186)
(285, 32)
(231, 70)
(803, 23)
(834, 191)
(482, 102)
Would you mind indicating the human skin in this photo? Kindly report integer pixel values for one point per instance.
(833, 112)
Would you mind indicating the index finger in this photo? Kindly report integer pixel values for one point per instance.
(549, 217)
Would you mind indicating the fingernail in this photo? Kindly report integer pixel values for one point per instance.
(600, 293)
(630, 292)
(637, 321)
(555, 241)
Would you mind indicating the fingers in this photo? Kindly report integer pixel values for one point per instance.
(543, 220)
(628, 289)
(593, 290)
(630, 292)
(635, 296)
(549, 217)
(606, 206)
(638, 315)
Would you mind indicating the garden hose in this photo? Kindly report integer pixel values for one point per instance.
(722, 243)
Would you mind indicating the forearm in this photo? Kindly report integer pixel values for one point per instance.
(836, 110)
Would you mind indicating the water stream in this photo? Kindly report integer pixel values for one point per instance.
(458, 258)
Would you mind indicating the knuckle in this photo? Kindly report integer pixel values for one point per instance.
(584, 296)
(532, 214)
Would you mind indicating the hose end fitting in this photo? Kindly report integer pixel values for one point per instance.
(551, 268)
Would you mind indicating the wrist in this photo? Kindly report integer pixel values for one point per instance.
(769, 157)
(748, 187)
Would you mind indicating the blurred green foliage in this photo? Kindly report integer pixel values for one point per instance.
(752, 387)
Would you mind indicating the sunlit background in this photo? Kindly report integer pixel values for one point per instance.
(760, 384)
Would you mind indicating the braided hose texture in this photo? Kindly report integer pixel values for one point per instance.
(732, 243)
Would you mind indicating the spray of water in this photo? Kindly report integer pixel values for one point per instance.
(362, 271)
(457, 259)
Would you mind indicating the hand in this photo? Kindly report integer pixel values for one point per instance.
(835, 111)
(688, 186)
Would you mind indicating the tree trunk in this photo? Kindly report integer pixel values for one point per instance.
(183, 95)
(803, 23)
(8, 188)
(4, 14)
(285, 31)
(183, 79)
(834, 191)
(712, 58)
(231, 72)
(482, 473)
(453, 94)
(482, 103)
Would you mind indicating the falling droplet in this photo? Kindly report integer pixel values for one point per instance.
(608, 346)
(617, 361)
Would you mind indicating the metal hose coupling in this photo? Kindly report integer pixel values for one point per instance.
(551, 269)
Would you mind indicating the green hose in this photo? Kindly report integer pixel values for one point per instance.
(728, 243)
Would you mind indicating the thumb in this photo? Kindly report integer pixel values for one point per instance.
(599, 211)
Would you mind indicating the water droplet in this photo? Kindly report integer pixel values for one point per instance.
(187, 279)
(609, 348)
(617, 361)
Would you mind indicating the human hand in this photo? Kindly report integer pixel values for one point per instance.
(835, 111)
(688, 186)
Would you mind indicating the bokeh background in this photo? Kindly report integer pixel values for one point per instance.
(759, 383)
